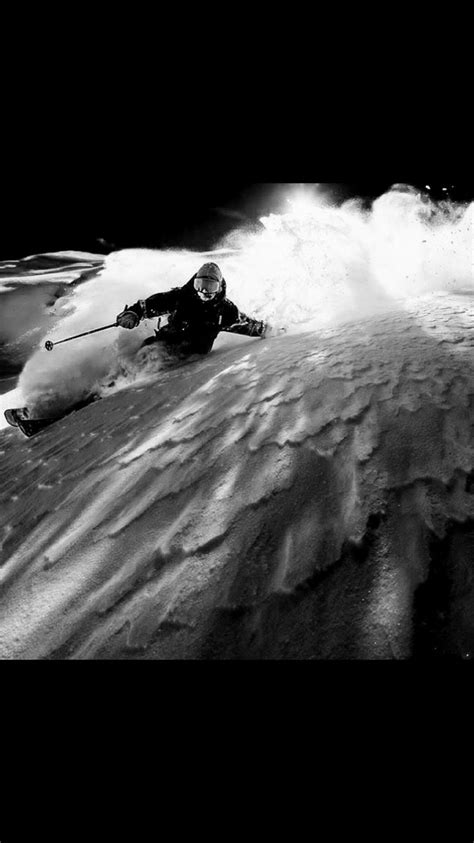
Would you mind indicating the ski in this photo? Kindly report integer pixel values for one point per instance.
(18, 418)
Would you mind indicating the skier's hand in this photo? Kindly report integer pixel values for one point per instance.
(259, 329)
(127, 319)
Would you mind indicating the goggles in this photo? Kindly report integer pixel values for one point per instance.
(206, 285)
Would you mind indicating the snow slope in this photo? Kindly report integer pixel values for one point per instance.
(310, 496)
(35, 293)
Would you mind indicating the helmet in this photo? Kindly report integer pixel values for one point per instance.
(208, 281)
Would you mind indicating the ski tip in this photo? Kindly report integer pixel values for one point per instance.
(19, 418)
(10, 416)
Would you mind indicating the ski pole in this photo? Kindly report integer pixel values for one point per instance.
(49, 345)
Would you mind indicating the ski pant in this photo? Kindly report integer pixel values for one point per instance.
(178, 344)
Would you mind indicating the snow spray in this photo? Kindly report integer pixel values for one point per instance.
(309, 267)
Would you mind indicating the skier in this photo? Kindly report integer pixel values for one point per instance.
(198, 312)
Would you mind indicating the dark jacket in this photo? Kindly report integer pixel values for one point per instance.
(193, 325)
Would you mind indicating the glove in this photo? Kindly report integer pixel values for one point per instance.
(127, 318)
(258, 329)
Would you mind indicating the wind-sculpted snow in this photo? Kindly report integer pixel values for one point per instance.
(301, 497)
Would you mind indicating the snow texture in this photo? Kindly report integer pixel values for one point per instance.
(310, 496)
(277, 499)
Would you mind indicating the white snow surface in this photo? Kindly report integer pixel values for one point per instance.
(276, 499)
(191, 516)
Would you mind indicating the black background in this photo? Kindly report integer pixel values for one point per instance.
(112, 205)
(79, 171)
(122, 130)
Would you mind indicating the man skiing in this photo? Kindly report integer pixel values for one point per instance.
(198, 312)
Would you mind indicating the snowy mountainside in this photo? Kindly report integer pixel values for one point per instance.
(277, 499)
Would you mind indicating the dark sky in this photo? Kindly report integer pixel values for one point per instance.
(47, 213)
(101, 143)
(67, 183)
